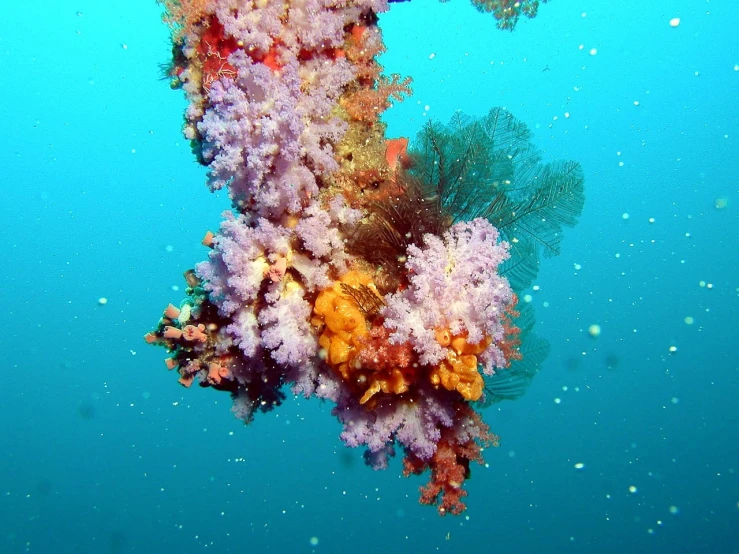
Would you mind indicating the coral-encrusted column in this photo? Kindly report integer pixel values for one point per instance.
(334, 272)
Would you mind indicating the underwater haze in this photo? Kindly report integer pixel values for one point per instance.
(626, 440)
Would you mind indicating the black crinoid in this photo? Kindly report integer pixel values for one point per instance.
(479, 167)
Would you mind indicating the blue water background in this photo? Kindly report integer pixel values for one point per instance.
(103, 451)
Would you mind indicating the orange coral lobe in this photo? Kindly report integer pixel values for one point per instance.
(459, 373)
(443, 336)
(344, 323)
(171, 363)
(396, 153)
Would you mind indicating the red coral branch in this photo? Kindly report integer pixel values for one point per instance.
(450, 464)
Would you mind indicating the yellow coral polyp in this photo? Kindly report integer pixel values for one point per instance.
(459, 370)
(344, 326)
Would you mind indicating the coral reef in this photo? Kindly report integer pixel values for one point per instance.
(378, 273)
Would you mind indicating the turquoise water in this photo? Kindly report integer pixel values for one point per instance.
(105, 452)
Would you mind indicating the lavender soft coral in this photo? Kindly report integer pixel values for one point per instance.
(460, 273)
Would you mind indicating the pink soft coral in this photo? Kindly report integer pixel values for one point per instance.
(454, 284)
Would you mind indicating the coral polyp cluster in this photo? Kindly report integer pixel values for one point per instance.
(377, 273)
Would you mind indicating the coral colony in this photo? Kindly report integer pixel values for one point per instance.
(377, 273)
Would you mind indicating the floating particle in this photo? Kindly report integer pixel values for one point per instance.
(674, 510)
(557, 400)
(625, 215)
(432, 56)
(313, 541)
(169, 248)
(527, 298)
(675, 400)
(675, 22)
(579, 465)
(124, 46)
(633, 489)
(651, 220)
(672, 349)
(593, 51)
(636, 102)
(578, 267)
(721, 203)
(689, 320)
(567, 115)
(102, 301)
(594, 330)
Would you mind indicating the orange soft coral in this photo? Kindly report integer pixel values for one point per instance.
(459, 370)
(396, 153)
(350, 348)
(367, 104)
(342, 321)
